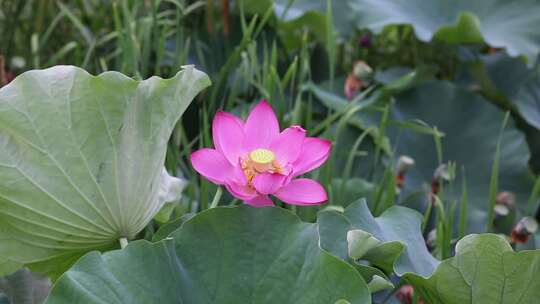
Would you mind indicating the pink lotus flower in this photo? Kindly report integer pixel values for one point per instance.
(252, 159)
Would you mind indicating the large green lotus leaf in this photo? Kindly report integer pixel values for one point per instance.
(484, 270)
(510, 81)
(403, 249)
(505, 74)
(223, 255)
(81, 160)
(471, 126)
(522, 89)
(352, 189)
(293, 17)
(288, 11)
(509, 24)
(528, 102)
(292, 10)
(25, 287)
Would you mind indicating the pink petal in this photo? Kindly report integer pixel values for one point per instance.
(213, 165)
(239, 176)
(243, 192)
(303, 192)
(260, 201)
(288, 145)
(315, 152)
(261, 127)
(268, 183)
(228, 135)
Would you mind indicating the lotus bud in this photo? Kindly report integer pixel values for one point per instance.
(352, 86)
(504, 202)
(506, 198)
(431, 239)
(441, 174)
(365, 41)
(523, 230)
(17, 62)
(501, 210)
(362, 71)
(358, 79)
(404, 163)
(405, 295)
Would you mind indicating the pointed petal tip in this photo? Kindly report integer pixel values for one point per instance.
(261, 126)
(228, 135)
(288, 144)
(220, 114)
(298, 127)
(315, 151)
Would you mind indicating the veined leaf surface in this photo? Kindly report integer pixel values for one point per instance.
(81, 160)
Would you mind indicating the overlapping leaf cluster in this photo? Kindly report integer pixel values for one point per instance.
(455, 83)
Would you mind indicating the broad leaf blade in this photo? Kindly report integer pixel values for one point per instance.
(223, 255)
(438, 104)
(81, 158)
(484, 270)
(403, 249)
(506, 24)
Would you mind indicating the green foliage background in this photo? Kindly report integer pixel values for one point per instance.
(454, 83)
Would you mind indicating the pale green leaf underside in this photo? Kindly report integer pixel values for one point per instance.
(401, 249)
(485, 270)
(509, 24)
(220, 256)
(81, 158)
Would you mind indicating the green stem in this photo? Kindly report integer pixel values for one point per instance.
(217, 196)
(123, 242)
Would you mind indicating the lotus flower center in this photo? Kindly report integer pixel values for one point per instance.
(260, 161)
(262, 156)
